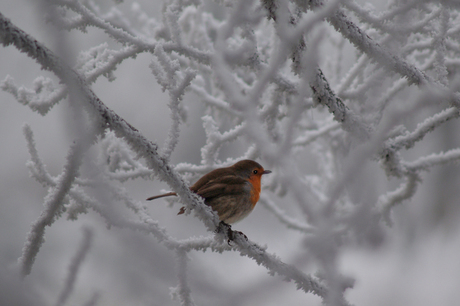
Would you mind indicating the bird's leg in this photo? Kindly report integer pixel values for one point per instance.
(227, 229)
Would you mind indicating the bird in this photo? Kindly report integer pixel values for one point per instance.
(231, 191)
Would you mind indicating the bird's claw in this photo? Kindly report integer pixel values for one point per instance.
(227, 229)
(231, 238)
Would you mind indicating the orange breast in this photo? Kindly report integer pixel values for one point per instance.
(255, 191)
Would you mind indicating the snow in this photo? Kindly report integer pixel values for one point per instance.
(253, 75)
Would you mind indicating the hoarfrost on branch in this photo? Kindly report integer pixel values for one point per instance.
(313, 90)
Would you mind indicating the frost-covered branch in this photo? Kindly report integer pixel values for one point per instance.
(408, 140)
(53, 201)
(41, 99)
(289, 221)
(182, 291)
(167, 73)
(435, 159)
(406, 190)
(323, 94)
(362, 41)
(75, 266)
(269, 81)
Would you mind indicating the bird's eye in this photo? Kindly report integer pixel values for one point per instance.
(255, 171)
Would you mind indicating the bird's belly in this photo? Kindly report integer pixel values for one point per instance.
(231, 208)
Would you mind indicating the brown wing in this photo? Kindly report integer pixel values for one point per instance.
(215, 174)
(221, 186)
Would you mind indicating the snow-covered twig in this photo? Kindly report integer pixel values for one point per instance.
(183, 291)
(41, 99)
(364, 43)
(408, 140)
(75, 266)
(323, 94)
(283, 218)
(53, 201)
(405, 191)
(379, 21)
(168, 75)
(427, 162)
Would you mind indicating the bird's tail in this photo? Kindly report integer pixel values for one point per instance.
(162, 195)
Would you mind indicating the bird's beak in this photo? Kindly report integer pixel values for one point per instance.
(266, 172)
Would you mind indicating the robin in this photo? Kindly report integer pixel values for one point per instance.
(232, 191)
